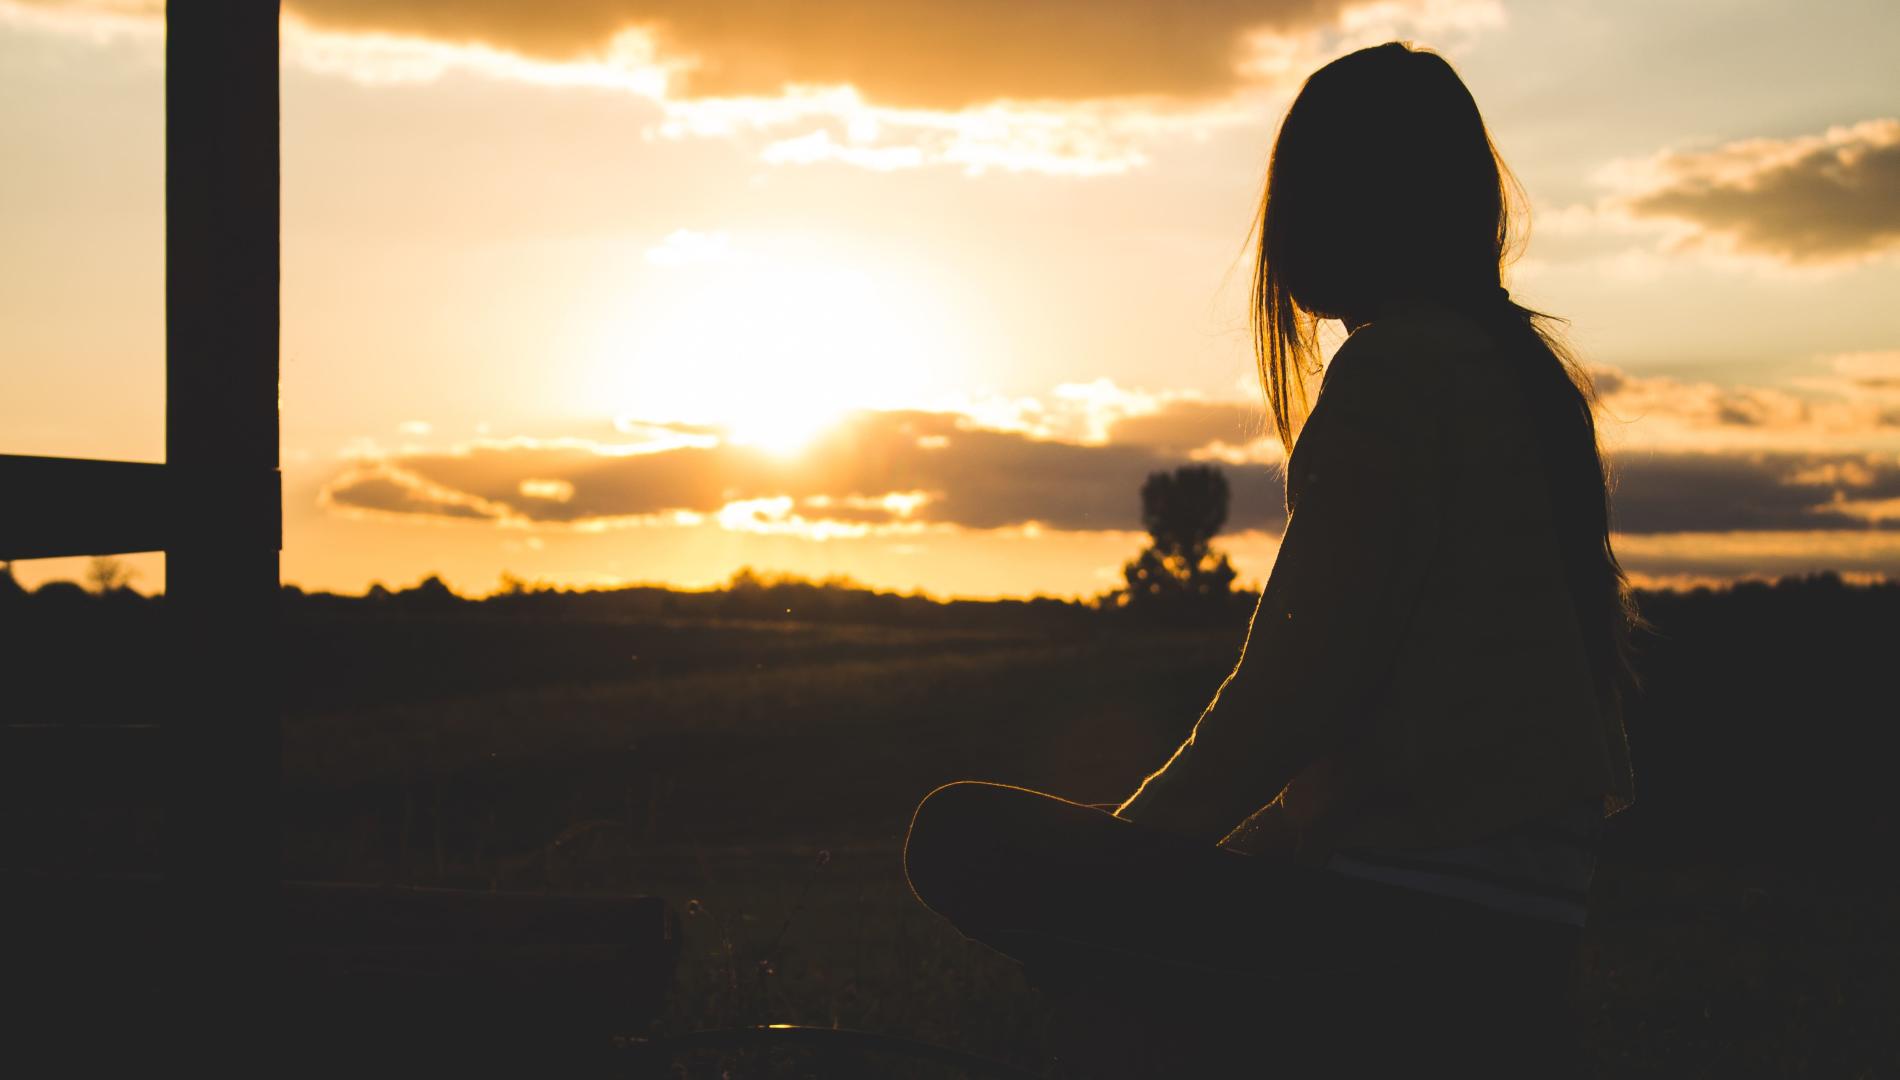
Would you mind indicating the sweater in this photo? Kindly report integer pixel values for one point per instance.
(1414, 676)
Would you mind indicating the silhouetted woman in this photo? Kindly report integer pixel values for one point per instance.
(1385, 823)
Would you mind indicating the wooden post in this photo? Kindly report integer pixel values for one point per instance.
(221, 564)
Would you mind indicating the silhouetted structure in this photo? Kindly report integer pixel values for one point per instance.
(1179, 570)
(174, 943)
(203, 749)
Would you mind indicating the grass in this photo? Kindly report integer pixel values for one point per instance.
(714, 769)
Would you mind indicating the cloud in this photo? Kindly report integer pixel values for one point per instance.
(888, 471)
(1872, 376)
(542, 488)
(936, 54)
(1098, 412)
(1693, 492)
(389, 488)
(1074, 465)
(1190, 425)
(1852, 403)
(1062, 88)
(1812, 199)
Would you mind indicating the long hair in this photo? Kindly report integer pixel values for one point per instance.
(1385, 184)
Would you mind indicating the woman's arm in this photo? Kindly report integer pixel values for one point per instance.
(1371, 465)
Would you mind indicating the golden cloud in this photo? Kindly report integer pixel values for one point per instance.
(875, 473)
(1062, 88)
(1812, 199)
(886, 473)
(1852, 405)
(938, 54)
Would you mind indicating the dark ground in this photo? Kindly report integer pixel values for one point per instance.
(1744, 917)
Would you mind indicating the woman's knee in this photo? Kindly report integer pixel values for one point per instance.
(945, 818)
(951, 824)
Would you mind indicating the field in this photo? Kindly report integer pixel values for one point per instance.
(759, 772)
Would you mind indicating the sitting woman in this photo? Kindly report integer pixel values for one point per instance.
(1386, 820)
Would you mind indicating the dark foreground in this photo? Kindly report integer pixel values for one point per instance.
(758, 773)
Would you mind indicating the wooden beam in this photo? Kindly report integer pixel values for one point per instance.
(71, 506)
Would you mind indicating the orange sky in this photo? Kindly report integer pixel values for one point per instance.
(614, 291)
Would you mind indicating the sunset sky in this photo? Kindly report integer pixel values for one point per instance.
(615, 291)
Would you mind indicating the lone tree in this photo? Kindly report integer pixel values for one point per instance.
(108, 575)
(1182, 511)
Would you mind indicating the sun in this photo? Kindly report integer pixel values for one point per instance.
(784, 424)
(774, 351)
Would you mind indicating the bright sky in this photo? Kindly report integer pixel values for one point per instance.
(644, 290)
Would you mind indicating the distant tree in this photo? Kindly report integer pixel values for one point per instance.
(429, 594)
(1180, 569)
(66, 595)
(108, 575)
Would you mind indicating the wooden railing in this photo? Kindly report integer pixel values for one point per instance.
(215, 961)
(214, 507)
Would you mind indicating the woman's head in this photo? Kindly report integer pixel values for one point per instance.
(1384, 183)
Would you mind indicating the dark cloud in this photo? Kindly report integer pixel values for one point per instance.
(1666, 493)
(935, 53)
(687, 478)
(972, 477)
(393, 492)
(981, 478)
(1811, 199)
(1184, 425)
(1852, 403)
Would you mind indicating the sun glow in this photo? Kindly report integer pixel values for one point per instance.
(772, 351)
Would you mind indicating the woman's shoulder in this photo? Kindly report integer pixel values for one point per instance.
(1415, 362)
(1407, 332)
(1392, 387)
